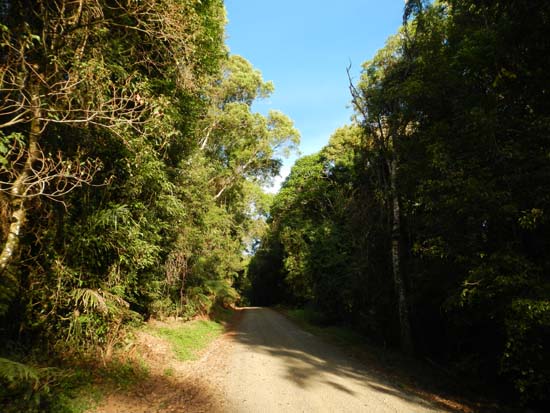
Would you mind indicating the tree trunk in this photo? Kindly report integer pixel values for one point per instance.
(18, 191)
(399, 282)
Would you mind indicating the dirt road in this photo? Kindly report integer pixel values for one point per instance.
(276, 367)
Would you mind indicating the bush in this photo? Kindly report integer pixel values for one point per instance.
(526, 357)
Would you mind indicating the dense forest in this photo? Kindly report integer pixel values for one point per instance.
(132, 165)
(424, 223)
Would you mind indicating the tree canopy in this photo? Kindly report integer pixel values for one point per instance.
(132, 164)
(425, 219)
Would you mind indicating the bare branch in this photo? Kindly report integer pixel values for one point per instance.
(49, 176)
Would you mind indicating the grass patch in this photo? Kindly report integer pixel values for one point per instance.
(78, 387)
(190, 338)
(122, 375)
(221, 314)
(77, 393)
(84, 387)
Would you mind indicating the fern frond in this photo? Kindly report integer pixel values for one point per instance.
(15, 372)
(90, 300)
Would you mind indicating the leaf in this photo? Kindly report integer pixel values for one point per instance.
(14, 372)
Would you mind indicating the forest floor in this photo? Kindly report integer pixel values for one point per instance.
(266, 363)
(170, 385)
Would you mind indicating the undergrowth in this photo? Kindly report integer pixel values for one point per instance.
(310, 321)
(76, 386)
(404, 371)
(63, 389)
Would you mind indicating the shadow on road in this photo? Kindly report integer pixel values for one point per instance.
(309, 362)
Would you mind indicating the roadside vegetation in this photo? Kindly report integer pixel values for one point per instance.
(66, 388)
(132, 165)
(80, 385)
(420, 376)
(424, 223)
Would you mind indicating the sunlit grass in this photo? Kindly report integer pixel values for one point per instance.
(190, 338)
(82, 388)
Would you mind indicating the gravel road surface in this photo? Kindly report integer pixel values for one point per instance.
(277, 367)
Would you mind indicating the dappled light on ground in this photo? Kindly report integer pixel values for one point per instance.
(279, 367)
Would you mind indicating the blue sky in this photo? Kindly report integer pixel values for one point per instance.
(304, 47)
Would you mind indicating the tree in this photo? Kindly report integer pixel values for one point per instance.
(308, 253)
(379, 100)
(449, 185)
(243, 144)
(63, 66)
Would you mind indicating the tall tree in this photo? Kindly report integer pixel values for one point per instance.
(62, 65)
(379, 101)
(243, 144)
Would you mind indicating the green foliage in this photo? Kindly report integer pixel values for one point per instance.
(316, 239)
(524, 359)
(176, 198)
(457, 101)
(13, 372)
(37, 389)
